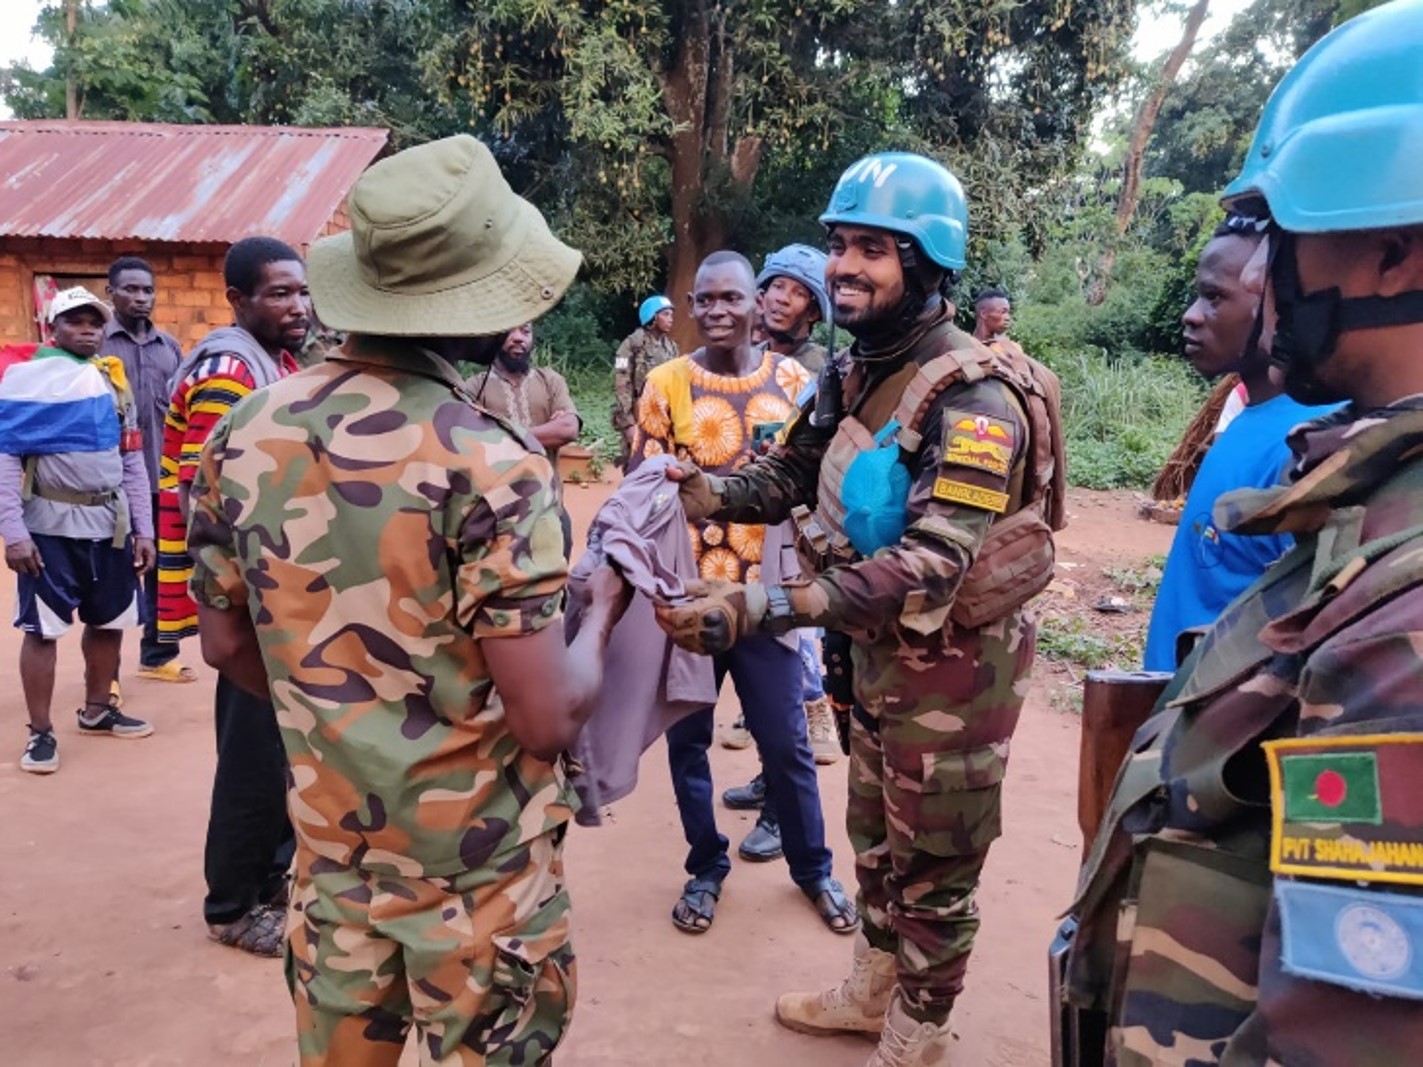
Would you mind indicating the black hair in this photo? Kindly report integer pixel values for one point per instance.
(1234, 225)
(726, 256)
(242, 269)
(991, 293)
(124, 263)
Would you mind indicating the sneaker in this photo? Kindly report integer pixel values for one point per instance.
(748, 797)
(824, 738)
(41, 753)
(111, 722)
(763, 843)
(736, 735)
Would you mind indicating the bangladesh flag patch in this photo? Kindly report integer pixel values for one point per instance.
(1347, 807)
(1332, 787)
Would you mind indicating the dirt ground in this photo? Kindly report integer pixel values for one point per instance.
(104, 958)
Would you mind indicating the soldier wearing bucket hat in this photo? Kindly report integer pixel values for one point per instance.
(1254, 892)
(387, 559)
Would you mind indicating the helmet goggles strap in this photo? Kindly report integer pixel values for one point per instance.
(1309, 324)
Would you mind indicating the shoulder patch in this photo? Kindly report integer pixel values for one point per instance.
(1347, 808)
(620, 363)
(978, 441)
(1361, 939)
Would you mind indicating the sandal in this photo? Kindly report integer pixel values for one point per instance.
(261, 931)
(172, 671)
(697, 908)
(837, 909)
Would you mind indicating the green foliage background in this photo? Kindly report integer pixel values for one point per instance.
(1028, 102)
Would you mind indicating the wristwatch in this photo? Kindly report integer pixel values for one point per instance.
(779, 617)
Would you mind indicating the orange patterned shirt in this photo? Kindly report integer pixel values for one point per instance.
(712, 420)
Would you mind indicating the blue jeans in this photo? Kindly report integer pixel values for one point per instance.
(767, 676)
(812, 671)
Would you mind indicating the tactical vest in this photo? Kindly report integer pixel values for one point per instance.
(1016, 560)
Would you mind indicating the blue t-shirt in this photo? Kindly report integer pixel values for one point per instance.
(1208, 568)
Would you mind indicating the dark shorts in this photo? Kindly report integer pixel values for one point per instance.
(92, 577)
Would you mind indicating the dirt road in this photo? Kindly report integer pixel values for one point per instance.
(104, 959)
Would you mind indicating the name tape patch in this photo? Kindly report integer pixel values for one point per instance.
(975, 496)
(1348, 808)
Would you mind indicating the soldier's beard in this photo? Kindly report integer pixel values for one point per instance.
(515, 364)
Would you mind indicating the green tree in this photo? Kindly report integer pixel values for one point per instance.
(300, 62)
(1205, 125)
(676, 109)
(651, 131)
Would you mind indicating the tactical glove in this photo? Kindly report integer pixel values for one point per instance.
(700, 492)
(713, 616)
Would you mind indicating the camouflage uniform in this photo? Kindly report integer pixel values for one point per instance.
(1254, 896)
(428, 877)
(809, 355)
(640, 351)
(936, 703)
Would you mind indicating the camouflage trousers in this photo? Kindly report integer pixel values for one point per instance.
(928, 752)
(480, 963)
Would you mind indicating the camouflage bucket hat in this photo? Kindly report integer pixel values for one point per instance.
(439, 246)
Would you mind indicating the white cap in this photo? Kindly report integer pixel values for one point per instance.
(77, 297)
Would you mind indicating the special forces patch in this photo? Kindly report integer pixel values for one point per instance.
(978, 441)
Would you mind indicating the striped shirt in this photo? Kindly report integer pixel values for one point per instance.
(200, 400)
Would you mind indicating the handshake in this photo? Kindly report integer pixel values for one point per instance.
(713, 615)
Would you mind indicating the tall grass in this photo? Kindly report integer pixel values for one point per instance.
(1122, 418)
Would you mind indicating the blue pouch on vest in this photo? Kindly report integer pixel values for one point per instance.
(876, 495)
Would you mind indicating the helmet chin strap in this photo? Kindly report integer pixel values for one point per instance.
(924, 287)
(785, 337)
(1309, 324)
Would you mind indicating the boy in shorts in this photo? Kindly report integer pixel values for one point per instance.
(75, 515)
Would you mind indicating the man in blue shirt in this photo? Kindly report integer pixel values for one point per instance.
(1208, 568)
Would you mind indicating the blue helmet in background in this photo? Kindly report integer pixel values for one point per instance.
(1340, 142)
(649, 308)
(905, 194)
(803, 264)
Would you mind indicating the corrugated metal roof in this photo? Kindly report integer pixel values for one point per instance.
(159, 182)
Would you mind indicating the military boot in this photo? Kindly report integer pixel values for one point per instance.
(904, 1042)
(820, 726)
(856, 1005)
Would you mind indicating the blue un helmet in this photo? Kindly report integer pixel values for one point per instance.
(1339, 148)
(651, 307)
(803, 264)
(906, 194)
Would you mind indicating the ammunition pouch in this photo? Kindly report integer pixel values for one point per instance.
(1014, 564)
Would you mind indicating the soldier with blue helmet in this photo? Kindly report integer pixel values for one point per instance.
(925, 483)
(1254, 894)
(792, 300)
(650, 345)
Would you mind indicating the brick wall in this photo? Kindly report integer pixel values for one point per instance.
(191, 293)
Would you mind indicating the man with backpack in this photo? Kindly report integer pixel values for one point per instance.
(75, 517)
(935, 468)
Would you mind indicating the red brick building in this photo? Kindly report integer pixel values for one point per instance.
(74, 196)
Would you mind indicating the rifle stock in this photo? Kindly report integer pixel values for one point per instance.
(1114, 705)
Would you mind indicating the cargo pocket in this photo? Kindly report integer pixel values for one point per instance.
(532, 987)
(1191, 955)
(960, 800)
